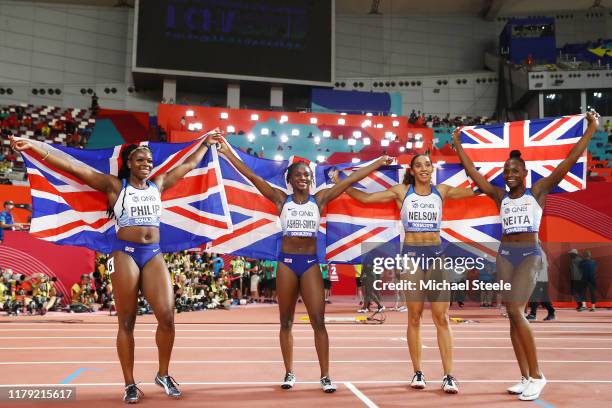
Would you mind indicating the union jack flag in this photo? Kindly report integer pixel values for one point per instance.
(544, 143)
(67, 211)
(352, 227)
(257, 231)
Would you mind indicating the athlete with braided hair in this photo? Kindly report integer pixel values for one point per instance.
(137, 263)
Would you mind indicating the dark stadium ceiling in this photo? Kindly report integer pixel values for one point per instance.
(416, 7)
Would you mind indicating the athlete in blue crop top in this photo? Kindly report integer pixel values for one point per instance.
(520, 256)
(298, 266)
(135, 202)
(420, 204)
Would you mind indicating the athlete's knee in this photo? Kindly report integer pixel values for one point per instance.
(286, 323)
(515, 314)
(127, 322)
(440, 319)
(165, 321)
(318, 322)
(414, 319)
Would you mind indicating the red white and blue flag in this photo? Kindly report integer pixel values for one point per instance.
(67, 211)
(217, 206)
(544, 143)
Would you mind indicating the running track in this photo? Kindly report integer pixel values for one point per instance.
(232, 357)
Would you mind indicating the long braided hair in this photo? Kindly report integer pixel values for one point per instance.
(124, 173)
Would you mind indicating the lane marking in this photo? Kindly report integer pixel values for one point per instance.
(483, 381)
(76, 374)
(507, 338)
(543, 403)
(297, 361)
(295, 347)
(367, 402)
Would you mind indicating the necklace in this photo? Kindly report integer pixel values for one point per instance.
(300, 203)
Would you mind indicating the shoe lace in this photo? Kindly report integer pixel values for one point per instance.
(419, 376)
(325, 381)
(133, 388)
(289, 377)
(449, 380)
(169, 381)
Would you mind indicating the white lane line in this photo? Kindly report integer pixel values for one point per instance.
(276, 330)
(512, 361)
(482, 323)
(367, 402)
(571, 350)
(299, 338)
(483, 381)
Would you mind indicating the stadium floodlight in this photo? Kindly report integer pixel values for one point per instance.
(284, 138)
(409, 145)
(366, 123)
(278, 157)
(317, 139)
(199, 126)
(224, 115)
(402, 149)
(326, 133)
(191, 127)
(356, 134)
(284, 119)
(355, 160)
(341, 121)
(384, 143)
(352, 142)
(395, 123)
(251, 137)
(314, 121)
(265, 131)
(366, 141)
(343, 113)
(379, 126)
(231, 129)
(320, 158)
(369, 114)
(418, 136)
(418, 145)
(189, 113)
(295, 132)
(254, 116)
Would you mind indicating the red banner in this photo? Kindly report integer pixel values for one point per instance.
(27, 255)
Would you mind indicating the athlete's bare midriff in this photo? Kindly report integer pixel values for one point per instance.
(139, 235)
(299, 245)
(422, 238)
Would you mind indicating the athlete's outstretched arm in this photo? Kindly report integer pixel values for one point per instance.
(165, 181)
(454, 192)
(546, 184)
(328, 194)
(489, 189)
(390, 194)
(98, 181)
(273, 194)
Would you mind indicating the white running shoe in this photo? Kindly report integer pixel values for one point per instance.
(362, 311)
(449, 384)
(418, 381)
(533, 389)
(381, 309)
(402, 309)
(519, 387)
(289, 381)
(327, 385)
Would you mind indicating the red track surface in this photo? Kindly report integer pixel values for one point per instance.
(231, 358)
